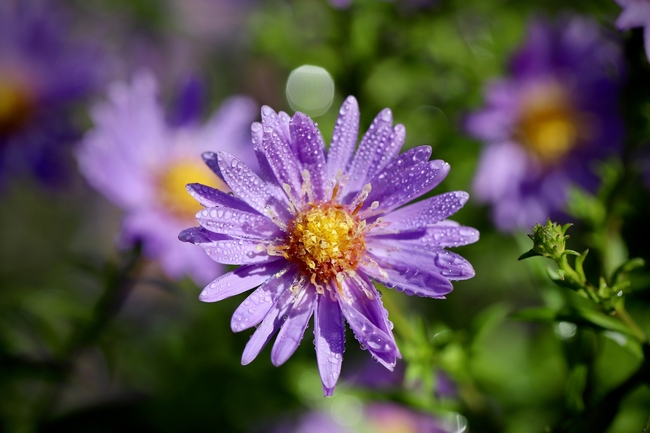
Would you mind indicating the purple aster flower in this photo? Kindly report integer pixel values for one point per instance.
(636, 13)
(42, 71)
(546, 124)
(315, 229)
(141, 163)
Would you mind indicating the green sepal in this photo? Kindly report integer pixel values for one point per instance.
(529, 254)
(578, 265)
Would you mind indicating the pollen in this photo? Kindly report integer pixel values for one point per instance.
(172, 194)
(325, 241)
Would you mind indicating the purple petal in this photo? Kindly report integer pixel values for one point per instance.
(272, 321)
(344, 138)
(211, 197)
(368, 319)
(405, 179)
(257, 132)
(282, 160)
(293, 329)
(240, 280)
(310, 149)
(408, 278)
(405, 256)
(226, 250)
(636, 14)
(427, 212)
(444, 234)
(329, 339)
(278, 121)
(237, 223)
(212, 161)
(259, 303)
(380, 144)
(246, 185)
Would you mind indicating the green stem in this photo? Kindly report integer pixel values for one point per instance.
(625, 317)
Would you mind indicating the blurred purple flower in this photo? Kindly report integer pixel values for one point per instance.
(546, 124)
(142, 163)
(374, 417)
(42, 71)
(315, 229)
(636, 13)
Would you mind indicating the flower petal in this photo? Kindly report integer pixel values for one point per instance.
(293, 328)
(405, 179)
(420, 258)
(636, 14)
(444, 234)
(368, 319)
(249, 187)
(210, 197)
(378, 147)
(408, 278)
(272, 321)
(283, 161)
(329, 339)
(427, 212)
(344, 138)
(237, 223)
(310, 149)
(240, 280)
(259, 303)
(224, 249)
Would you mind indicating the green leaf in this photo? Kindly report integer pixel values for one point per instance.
(630, 344)
(578, 315)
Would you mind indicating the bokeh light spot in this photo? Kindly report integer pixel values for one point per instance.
(310, 89)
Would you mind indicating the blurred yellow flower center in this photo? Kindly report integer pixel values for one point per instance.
(16, 105)
(549, 126)
(324, 241)
(171, 187)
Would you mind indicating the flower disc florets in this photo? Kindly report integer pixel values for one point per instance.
(325, 240)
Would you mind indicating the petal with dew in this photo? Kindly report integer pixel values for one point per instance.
(410, 279)
(329, 339)
(283, 162)
(420, 258)
(310, 149)
(224, 249)
(238, 281)
(380, 144)
(344, 138)
(249, 187)
(257, 305)
(293, 328)
(210, 197)
(396, 186)
(271, 323)
(427, 212)
(362, 308)
(237, 223)
(441, 235)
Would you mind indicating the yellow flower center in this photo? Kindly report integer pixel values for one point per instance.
(16, 105)
(171, 187)
(326, 240)
(549, 126)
